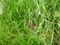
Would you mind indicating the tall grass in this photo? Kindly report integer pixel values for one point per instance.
(30, 22)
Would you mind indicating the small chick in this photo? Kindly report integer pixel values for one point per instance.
(31, 25)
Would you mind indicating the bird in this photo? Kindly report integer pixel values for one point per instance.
(31, 25)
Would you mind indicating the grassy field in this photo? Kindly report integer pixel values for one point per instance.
(29, 22)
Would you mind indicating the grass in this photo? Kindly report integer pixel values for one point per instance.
(30, 22)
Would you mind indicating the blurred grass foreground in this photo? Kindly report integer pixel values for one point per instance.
(29, 22)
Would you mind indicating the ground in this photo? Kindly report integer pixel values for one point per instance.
(29, 22)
